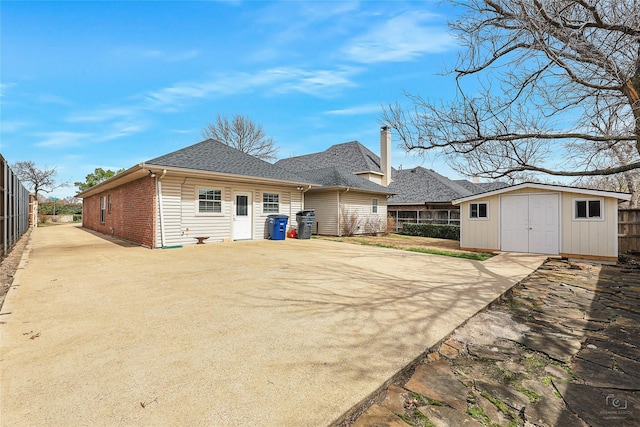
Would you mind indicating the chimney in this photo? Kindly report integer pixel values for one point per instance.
(385, 155)
(476, 179)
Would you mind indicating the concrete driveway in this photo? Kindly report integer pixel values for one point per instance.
(295, 332)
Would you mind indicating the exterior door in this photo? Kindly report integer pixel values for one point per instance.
(514, 223)
(530, 223)
(242, 215)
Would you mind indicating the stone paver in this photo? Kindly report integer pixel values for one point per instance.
(561, 349)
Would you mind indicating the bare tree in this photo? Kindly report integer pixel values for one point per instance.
(37, 179)
(545, 75)
(242, 134)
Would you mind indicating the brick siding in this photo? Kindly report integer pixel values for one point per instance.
(132, 215)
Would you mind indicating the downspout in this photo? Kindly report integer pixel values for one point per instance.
(160, 207)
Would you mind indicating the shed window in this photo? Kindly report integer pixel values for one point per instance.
(478, 210)
(588, 209)
(270, 202)
(209, 201)
(103, 209)
(374, 205)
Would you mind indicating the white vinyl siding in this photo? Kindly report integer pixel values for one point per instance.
(325, 204)
(353, 202)
(183, 223)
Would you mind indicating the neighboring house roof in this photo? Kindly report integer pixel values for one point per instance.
(350, 156)
(332, 177)
(537, 186)
(419, 185)
(214, 156)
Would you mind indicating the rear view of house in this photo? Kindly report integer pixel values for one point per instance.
(205, 190)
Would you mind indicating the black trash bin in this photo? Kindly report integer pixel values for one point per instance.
(277, 226)
(305, 221)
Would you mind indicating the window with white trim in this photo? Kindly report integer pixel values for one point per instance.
(270, 203)
(587, 209)
(374, 205)
(479, 210)
(209, 200)
(103, 209)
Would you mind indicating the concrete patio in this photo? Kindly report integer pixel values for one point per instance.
(294, 332)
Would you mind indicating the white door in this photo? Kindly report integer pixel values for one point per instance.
(514, 223)
(242, 217)
(544, 220)
(530, 223)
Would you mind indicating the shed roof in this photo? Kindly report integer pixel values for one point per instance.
(538, 186)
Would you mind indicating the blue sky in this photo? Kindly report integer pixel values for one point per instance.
(111, 84)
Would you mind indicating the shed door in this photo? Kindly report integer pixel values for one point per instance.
(530, 223)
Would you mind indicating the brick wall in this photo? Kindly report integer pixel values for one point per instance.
(132, 215)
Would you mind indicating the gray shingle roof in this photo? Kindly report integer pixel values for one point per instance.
(419, 185)
(214, 156)
(338, 177)
(350, 156)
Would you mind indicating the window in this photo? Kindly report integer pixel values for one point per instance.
(588, 209)
(270, 203)
(209, 201)
(374, 205)
(109, 204)
(478, 210)
(103, 209)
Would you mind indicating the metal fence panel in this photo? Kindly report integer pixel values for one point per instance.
(14, 210)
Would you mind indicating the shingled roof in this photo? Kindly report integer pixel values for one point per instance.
(351, 156)
(419, 185)
(214, 156)
(338, 177)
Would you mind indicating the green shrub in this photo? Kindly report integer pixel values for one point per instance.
(451, 232)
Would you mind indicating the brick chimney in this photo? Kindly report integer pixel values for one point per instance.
(385, 155)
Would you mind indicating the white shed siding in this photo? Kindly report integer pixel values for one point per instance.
(325, 204)
(481, 233)
(589, 237)
(361, 205)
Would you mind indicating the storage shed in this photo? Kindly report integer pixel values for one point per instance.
(542, 218)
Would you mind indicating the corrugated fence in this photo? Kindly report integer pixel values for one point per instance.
(628, 230)
(14, 210)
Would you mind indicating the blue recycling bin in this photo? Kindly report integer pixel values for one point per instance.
(277, 226)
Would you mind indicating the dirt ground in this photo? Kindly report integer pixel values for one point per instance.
(9, 265)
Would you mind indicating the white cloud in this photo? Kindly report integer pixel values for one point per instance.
(402, 38)
(4, 87)
(356, 110)
(103, 115)
(62, 139)
(9, 126)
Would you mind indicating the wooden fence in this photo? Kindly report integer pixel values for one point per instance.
(14, 208)
(628, 230)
